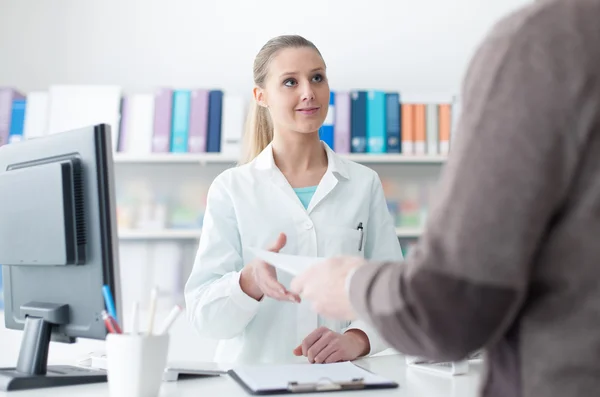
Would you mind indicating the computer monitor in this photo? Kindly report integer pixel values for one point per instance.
(58, 247)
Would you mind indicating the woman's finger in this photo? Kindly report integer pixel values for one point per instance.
(324, 354)
(334, 357)
(273, 289)
(279, 244)
(275, 294)
(322, 348)
(293, 297)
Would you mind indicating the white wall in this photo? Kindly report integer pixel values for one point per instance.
(412, 46)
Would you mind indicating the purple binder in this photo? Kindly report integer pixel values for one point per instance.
(341, 129)
(198, 121)
(163, 106)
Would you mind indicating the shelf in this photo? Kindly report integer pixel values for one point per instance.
(164, 234)
(396, 158)
(408, 232)
(193, 234)
(218, 158)
(174, 158)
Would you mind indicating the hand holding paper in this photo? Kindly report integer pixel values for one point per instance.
(292, 264)
(259, 279)
(325, 287)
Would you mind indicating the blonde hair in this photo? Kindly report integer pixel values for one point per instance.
(259, 127)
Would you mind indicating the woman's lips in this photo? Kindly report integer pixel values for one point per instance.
(308, 111)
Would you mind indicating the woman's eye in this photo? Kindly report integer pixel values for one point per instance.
(289, 83)
(318, 78)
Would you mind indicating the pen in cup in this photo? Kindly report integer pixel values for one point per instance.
(111, 324)
(170, 320)
(116, 325)
(153, 298)
(109, 301)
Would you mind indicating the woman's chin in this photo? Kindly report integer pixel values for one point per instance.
(308, 128)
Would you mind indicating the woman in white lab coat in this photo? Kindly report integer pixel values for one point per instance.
(292, 195)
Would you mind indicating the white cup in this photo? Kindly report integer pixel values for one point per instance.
(135, 364)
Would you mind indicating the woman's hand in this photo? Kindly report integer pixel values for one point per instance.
(326, 346)
(259, 279)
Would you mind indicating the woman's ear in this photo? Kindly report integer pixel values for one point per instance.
(259, 97)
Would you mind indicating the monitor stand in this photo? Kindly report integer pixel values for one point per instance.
(32, 371)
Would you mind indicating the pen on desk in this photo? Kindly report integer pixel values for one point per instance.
(170, 320)
(135, 317)
(109, 301)
(153, 297)
(360, 228)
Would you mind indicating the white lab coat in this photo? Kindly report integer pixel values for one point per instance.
(248, 206)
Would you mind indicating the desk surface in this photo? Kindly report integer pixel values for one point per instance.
(412, 383)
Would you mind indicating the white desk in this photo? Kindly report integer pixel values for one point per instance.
(413, 383)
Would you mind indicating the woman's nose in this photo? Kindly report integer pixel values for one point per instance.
(307, 92)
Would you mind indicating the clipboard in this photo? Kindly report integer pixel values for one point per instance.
(332, 378)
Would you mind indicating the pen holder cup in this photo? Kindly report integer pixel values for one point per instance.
(135, 364)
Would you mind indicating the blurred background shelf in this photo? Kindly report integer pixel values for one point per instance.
(192, 234)
(217, 158)
(159, 234)
(409, 232)
(174, 158)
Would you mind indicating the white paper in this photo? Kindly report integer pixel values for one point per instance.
(293, 264)
(274, 377)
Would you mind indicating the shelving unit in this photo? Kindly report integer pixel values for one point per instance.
(194, 234)
(217, 158)
(220, 160)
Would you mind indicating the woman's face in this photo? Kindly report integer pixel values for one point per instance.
(296, 90)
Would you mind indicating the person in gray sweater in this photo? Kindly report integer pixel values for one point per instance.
(509, 260)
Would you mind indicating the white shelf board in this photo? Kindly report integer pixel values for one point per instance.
(396, 158)
(408, 231)
(217, 158)
(173, 158)
(159, 234)
(191, 234)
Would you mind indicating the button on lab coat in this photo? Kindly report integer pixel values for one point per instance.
(248, 206)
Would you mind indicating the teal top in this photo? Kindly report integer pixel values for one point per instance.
(305, 194)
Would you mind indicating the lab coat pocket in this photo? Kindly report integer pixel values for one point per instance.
(343, 241)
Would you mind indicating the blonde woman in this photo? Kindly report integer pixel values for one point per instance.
(294, 195)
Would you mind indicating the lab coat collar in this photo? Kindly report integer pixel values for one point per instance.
(335, 164)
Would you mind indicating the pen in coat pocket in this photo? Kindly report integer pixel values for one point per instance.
(360, 228)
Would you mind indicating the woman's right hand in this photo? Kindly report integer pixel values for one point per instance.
(259, 279)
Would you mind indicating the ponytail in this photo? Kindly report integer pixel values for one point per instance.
(258, 134)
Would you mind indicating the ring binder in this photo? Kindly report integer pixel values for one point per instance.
(354, 384)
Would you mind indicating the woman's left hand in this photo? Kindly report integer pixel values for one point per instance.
(326, 346)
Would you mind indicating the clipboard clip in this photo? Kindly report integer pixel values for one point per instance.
(326, 384)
